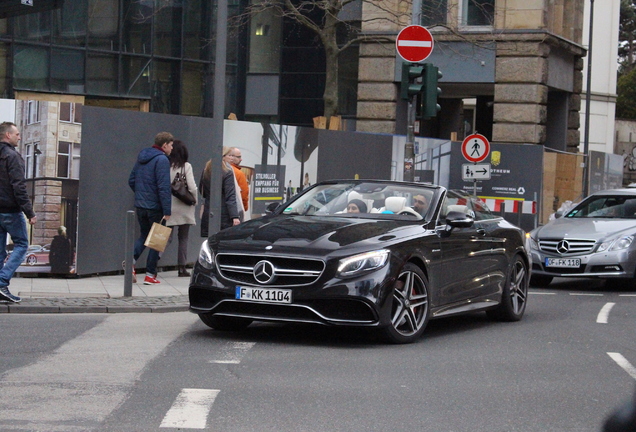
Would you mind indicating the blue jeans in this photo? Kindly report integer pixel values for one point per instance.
(146, 217)
(13, 224)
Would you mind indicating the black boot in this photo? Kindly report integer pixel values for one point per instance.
(183, 271)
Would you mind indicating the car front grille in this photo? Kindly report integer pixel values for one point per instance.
(567, 246)
(287, 271)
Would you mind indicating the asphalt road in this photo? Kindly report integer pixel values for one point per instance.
(564, 367)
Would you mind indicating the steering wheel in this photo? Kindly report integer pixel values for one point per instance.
(408, 211)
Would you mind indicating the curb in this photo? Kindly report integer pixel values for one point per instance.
(98, 305)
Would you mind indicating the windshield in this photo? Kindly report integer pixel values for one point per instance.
(363, 200)
(606, 206)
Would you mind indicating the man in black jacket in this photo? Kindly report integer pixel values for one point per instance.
(14, 201)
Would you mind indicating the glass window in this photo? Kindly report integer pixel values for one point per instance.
(165, 82)
(67, 71)
(75, 161)
(4, 56)
(103, 24)
(137, 26)
(265, 35)
(478, 12)
(31, 68)
(196, 28)
(136, 76)
(101, 74)
(69, 23)
(168, 30)
(70, 112)
(434, 12)
(192, 89)
(4, 28)
(34, 27)
(63, 159)
(33, 112)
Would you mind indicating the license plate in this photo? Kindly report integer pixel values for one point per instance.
(263, 295)
(563, 262)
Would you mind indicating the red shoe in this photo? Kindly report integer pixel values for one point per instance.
(134, 276)
(149, 280)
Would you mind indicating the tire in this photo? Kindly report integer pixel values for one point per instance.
(224, 323)
(31, 260)
(540, 281)
(514, 295)
(410, 309)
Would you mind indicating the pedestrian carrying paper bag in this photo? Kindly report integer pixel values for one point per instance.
(158, 236)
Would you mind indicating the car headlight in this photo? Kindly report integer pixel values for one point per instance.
(531, 242)
(206, 256)
(614, 245)
(361, 263)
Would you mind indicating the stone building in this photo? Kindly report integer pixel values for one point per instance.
(515, 67)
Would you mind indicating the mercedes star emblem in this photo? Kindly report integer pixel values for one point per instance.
(563, 247)
(264, 272)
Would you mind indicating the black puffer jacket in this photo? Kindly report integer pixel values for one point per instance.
(13, 193)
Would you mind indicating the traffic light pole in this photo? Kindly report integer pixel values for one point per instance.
(409, 145)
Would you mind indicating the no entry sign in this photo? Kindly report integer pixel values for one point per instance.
(414, 43)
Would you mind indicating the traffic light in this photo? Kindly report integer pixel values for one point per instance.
(430, 91)
(412, 84)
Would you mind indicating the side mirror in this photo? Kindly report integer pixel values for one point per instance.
(456, 219)
(558, 215)
(271, 207)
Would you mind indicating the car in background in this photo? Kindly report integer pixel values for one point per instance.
(389, 268)
(594, 239)
(37, 255)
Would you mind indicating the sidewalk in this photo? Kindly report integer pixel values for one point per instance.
(97, 294)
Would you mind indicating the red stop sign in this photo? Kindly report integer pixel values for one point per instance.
(414, 43)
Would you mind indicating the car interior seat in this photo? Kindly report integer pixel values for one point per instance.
(457, 208)
(394, 204)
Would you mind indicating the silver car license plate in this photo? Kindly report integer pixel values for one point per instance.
(263, 295)
(563, 262)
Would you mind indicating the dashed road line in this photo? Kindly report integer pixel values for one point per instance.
(587, 294)
(603, 315)
(190, 409)
(541, 293)
(233, 354)
(622, 362)
(627, 295)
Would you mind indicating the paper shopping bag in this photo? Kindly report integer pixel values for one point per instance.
(158, 237)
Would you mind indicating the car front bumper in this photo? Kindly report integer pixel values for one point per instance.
(606, 265)
(352, 302)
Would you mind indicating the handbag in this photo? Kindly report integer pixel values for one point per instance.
(180, 189)
(158, 236)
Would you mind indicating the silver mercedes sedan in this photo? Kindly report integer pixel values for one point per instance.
(593, 239)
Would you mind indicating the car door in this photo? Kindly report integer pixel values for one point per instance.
(465, 253)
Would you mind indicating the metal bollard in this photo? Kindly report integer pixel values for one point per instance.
(128, 252)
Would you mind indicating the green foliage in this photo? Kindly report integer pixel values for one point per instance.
(626, 101)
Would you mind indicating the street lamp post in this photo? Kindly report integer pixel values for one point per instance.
(588, 97)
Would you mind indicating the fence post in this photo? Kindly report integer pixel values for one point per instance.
(128, 253)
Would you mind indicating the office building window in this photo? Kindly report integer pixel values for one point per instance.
(71, 112)
(33, 115)
(478, 13)
(68, 159)
(31, 160)
(434, 12)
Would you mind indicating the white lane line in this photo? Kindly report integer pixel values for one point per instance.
(541, 293)
(627, 295)
(604, 313)
(233, 353)
(586, 294)
(190, 409)
(622, 362)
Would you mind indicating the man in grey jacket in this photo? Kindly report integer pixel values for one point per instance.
(14, 201)
(150, 180)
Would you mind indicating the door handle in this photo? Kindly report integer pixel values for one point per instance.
(481, 232)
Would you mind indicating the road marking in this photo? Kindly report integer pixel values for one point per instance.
(233, 353)
(604, 313)
(541, 293)
(587, 294)
(622, 362)
(627, 295)
(190, 409)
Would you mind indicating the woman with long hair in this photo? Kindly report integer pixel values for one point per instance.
(182, 213)
(230, 215)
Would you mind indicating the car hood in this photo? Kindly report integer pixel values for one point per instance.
(311, 234)
(586, 228)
